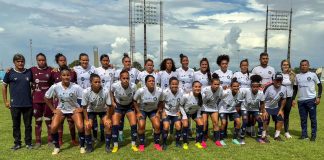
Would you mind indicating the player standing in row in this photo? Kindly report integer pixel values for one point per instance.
(171, 112)
(122, 93)
(67, 93)
(191, 108)
(305, 82)
(41, 83)
(185, 74)
(149, 70)
(264, 70)
(148, 103)
(204, 74)
(96, 101)
(211, 97)
(167, 70)
(61, 61)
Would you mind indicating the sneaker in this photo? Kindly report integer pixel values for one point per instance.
(185, 146)
(157, 147)
(121, 137)
(235, 141)
(74, 142)
(265, 139)
(204, 144)
(82, 150)
(303, 138)
(115, 149)
(89, 148)
(178, 144)
(223, 143)
(134, 148)
(287, 135)
(56, 151)
(242, 141)
(278, 139)
(29, 146)
(16, 147)
(37, 145)
(313, 139)
(260, 140)
(218, 144)
(164, 147)
(141, 148)
(199, 146)
(108, 150)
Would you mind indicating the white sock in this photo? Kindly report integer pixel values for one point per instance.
(115, 144)
(277, 133)
(133, 143)
(120, 132)
(264, 134)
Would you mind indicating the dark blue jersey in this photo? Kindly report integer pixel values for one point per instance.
(19, 87)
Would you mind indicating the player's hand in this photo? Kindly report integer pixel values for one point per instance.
(281, 113)
(58, 112)
(88, 124)
(264, 116)
(317, 101)
(293, 103)
(7, 104)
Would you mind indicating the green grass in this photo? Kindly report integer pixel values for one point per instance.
(290, 149)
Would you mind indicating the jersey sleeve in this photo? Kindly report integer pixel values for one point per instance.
(183, 113)
(113, 87)
(79, 92)
(138, 94)
(85, 99)
(6, 78)
(183, 100)
(316, 79)
(262, 97)
(108, 100)
(50, 93)
(161, 98)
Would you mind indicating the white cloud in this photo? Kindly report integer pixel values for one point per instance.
(234, 17)
(2, 29)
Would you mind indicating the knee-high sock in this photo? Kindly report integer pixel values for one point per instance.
(185, 131)
(88, 140)
(134, 134)
(95, 128)
(260, 127)
(141, 138)
(121, 124)
(216, 135)
(243, 128)
(81, 139)
(60, 132)
(236, 132)
(199, 133)
(38, 129)
(55, 137)
(222, 134)
(102, 132)
(165, 136)
(108, 139)
(48, 125)
(115, 133)
(157, 138)
(178, 135)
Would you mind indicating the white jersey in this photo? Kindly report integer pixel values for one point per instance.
(133, 73)
(164, 78)
(306, 85)
(251, 101)
(96, 102)
(202, 78)
(148, 101)
(243, 79)
(266, 73)
(185, 78)
(67, 97)
(225, 78)
(190, 104)
(83, 75)
(211, 99)
(106, 76)
(123, 96)
(273, 95)
(141, 77)
(172, 101)
(229, 102)
(288, 84)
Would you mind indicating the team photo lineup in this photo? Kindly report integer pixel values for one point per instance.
(178, 101)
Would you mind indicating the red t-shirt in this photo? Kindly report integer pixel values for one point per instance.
(41, 83)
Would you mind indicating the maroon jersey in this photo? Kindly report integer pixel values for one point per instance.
(56, 76)
(41, 83)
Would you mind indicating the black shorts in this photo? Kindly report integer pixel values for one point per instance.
(246, 113)
(209, 113)
(124, 109)
(148, 114)
(93, 115)
(192, 116)
(231, 116)
(171, 119)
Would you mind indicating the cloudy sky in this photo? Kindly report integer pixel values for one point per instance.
(199, 28)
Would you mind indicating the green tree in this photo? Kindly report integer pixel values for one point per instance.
(138, 66)
(74, 63)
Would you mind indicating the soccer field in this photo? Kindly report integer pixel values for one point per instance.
(290, 149)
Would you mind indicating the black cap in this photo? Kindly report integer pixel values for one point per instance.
(278, 76)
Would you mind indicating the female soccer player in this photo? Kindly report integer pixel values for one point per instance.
(274, 94)
(106, 72)
(96, 101)
(243, 76)
(171, 111)
(68, 93)
(227, 109)
(122, 93)
(252, 104)
(191, 104)
(211, 96)
(41, 83)
(167, 70)
(148, 103)
(185, 74)
(203, 75)
(225, 75)
(133, 74)
(149, 70)
(288, 81)
(60, 60)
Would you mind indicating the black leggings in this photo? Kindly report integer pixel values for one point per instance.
(287, 112)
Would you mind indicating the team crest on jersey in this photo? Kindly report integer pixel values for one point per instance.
(221, 82)
(189, 76)
(178, 100)
(155, 99)
(132, 75)
(281, 94)
(27, 78)
(165, 85)
(110, 74)
(103, 81)
(183, 82)
(309, 78)
(100, 99)
(36, 80)
(89, 72)
(130, 94)
(82, 78)
(46, 75)
(228, 77)
(15, 78)
(71, 94)
(270, 72)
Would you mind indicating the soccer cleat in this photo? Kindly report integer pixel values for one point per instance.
(260, 140)
(89, 149)
(198, 145)
(82, 150)
(164, 147)
(287, 135)
(278, 139)
(223, 143)
(218, 144)
(185, 146)
(56, 151)
(134, 148)
(16, 147)
(178, 145)
(121, 137)
(157, 147)
(303, 138)
(313, 139)
(235, 141)
(242, 141)
(74, 142)
(108, 150)
(265, 139)
(115, 149)
(141, 148)
(29, 146)
(204, 144)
